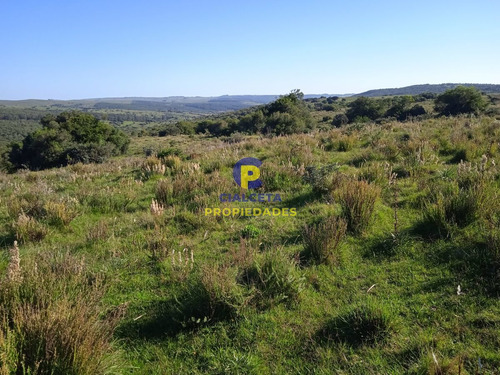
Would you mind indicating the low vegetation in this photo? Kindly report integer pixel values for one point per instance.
(391, 264)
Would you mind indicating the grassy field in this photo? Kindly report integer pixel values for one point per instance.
(391, 265)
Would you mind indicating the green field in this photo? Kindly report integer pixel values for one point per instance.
(364, 280)
(382, 255)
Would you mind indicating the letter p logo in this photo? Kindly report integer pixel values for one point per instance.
(246, 173)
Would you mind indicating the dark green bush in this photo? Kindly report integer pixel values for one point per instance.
(460, 100)
(68, 138)
(364, 108)
(339, 120)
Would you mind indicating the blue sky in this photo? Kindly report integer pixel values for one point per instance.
(85, 49)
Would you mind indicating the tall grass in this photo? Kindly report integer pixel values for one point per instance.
(51, 320)
(357, 199)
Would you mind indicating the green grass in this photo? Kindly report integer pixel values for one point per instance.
(264, 295)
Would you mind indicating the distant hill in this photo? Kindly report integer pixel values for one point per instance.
(198, 104)
(182, 104)
(435, 89)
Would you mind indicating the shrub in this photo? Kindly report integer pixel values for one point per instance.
(340, 120)
(31, 204)
(171, 151)
(150, 167)
(279, 177)
(460, 100)
(250, 231)
(364, 108)
(59, 213)
(342, 143)
(357, 199)
(416, 110)
(322, 240)
(323, 179)
(164, 192)
(71, 137)
(89, 153)
(173, 162)
(452, 207)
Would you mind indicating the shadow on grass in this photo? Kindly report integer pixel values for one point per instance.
(429, 231)
(471, 262)
(191, 310)
(388, 246)
(360, 326)
(300, 200)
(160, 321)
(7, 239)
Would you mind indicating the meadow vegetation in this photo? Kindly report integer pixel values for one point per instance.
(391, 266)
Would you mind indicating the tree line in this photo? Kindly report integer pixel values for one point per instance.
(292, 114)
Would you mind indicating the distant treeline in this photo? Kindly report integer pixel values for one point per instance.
(287, 115)
(293, 114)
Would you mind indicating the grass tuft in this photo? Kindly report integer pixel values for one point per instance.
(366, 324)
(322, 240)
(357, 199)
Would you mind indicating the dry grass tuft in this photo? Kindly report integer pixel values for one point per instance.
(14, 269)
(29, 229)
(156, 208)
(322, 240)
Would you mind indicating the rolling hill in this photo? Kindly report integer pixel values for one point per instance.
(428, 88)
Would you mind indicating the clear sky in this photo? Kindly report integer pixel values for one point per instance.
(75, 49)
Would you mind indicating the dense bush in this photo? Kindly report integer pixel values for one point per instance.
(339, 120)
(401, 110)
(71, 137)
(288, 114)
(460, 100)
(364, 107)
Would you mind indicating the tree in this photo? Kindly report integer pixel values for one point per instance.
(364, 107)
(288, 114)
(460, 100)
(399, 108)
(70, 137)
